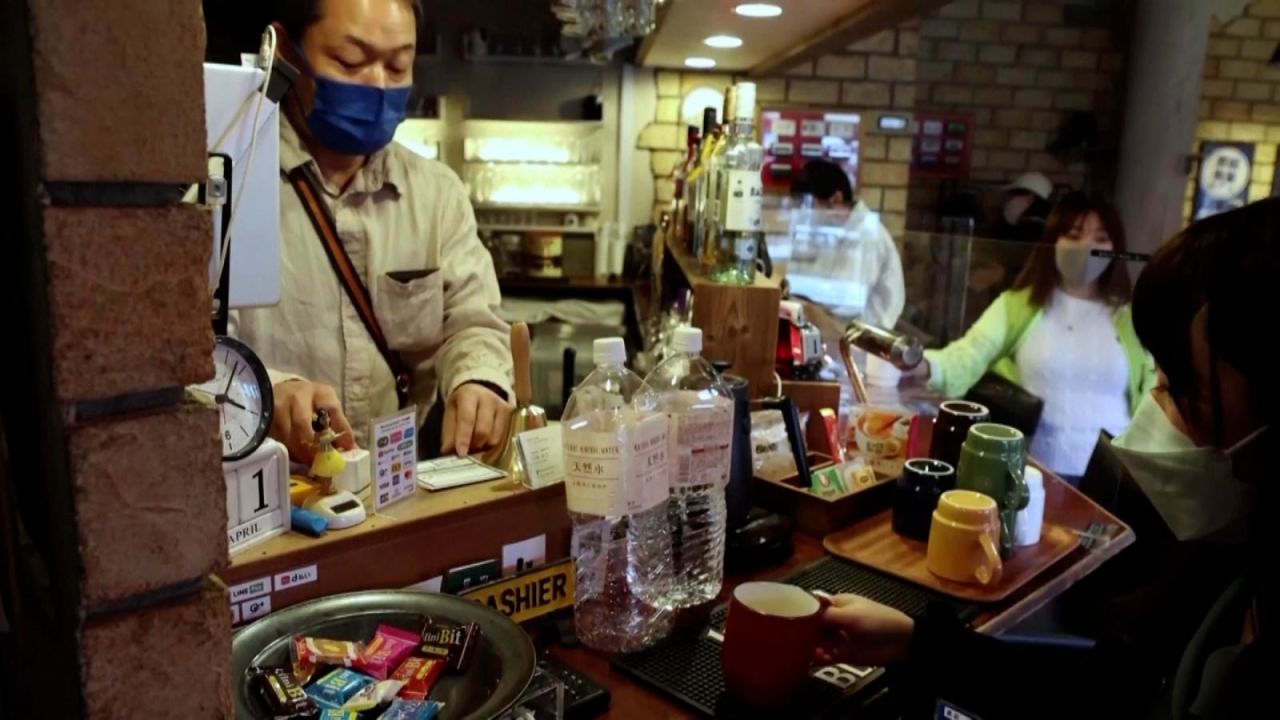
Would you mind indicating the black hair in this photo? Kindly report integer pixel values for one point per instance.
(1041, 272)
(1229, 263)
(295, 16)
(822, 179)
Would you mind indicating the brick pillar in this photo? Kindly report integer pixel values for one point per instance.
(116, 480)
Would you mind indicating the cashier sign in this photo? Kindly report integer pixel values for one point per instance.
(529, 595)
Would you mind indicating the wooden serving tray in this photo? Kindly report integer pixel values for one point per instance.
(873, 543)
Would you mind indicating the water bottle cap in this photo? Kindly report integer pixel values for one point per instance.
(687, 339)
(609, 351)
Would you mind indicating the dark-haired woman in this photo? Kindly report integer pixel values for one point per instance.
(1064, 332)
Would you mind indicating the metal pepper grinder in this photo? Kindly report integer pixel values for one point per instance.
(527, 416)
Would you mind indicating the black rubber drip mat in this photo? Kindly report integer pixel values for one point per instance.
(687, 667)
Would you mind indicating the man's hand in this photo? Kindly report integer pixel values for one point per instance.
(475, 418)
(296, 404)
(863, 632)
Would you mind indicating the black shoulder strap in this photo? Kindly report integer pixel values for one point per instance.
(304, 185)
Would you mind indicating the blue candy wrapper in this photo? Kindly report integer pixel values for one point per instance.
(412, 710)
(339, 686)
(336, 714)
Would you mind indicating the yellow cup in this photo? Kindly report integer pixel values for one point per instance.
(964, 539)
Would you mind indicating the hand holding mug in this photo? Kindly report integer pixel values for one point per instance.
(863, 632)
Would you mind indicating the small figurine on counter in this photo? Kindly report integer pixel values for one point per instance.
(328, 462)
(340, 508)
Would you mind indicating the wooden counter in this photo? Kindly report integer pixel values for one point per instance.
(634, 701)
(412, 541)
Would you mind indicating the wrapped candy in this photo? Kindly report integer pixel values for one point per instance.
(455, 644)
(339, 686)
(281, 694)
(308, 653)
(388, 648)
(412, 710)
(380, 693)
(418, 675)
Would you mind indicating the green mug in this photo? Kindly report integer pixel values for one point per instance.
(992, 460)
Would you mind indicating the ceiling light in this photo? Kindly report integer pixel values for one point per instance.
(723, 41)
(758, 10)
(701, 63)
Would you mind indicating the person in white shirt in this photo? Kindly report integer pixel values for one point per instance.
(410, 234)
(864, 276)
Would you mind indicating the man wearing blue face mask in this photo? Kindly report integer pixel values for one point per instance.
(387, 293)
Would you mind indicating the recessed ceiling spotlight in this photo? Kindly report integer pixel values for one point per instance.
(758, 10)
(701, 63)
(723, 41)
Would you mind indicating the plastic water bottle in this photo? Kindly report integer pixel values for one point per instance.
(700, 406)
(616, 448)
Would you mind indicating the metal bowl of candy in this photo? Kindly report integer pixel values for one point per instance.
(483, 660)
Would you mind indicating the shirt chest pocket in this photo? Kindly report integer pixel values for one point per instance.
(410, 309)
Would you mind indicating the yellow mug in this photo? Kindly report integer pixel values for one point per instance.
(964, 539)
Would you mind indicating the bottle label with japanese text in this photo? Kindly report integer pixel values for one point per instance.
(741, 199)
(593, 472)
(646, 463)
(703, 439)
(612, 474)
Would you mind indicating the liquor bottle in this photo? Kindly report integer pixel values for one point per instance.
(700, 407)
(715, 183)
(616, 448)
(679, 198)
(739, 226)
(697, 182)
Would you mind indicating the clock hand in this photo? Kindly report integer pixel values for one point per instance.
(236, 404)
(230, 379)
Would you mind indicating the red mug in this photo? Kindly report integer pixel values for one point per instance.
(769, 638)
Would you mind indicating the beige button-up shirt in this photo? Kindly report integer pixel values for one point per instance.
(408, 227)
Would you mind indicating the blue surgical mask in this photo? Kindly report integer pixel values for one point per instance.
(352, 118)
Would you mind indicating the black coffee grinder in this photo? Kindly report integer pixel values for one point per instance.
(756, 538)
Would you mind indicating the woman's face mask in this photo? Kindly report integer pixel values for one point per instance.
(1196, 490)
(1072, 251)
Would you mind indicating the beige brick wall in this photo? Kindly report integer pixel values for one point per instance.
(1240, 98)
(1020, 73)
(875, 74)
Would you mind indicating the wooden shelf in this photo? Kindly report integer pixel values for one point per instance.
(739, 323)
(409, 542)
(691, 268)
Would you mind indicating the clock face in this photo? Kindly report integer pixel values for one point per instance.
(241, 390)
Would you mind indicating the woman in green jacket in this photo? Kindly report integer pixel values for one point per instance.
(1063, 332)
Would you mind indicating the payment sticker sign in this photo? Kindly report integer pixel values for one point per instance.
(395, 458)
(529, 595)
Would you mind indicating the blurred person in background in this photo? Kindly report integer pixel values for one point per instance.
(1200, 449)
(1027, 202)
(864, 279)
(1064, 332)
